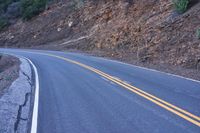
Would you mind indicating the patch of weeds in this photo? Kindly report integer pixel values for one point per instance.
(181, 6)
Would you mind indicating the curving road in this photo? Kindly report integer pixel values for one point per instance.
(84, 94)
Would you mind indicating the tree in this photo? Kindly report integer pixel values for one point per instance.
(31, 8)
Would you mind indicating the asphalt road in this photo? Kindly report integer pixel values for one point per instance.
(84, 94)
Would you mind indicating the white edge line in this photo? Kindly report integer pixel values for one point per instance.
(149, 69)
(144, 68)
(36, 100)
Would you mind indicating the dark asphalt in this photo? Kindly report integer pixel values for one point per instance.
(75, 100)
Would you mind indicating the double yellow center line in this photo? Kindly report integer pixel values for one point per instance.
(168, 106)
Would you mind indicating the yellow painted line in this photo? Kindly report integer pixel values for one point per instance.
(168, 106)
(158, 99)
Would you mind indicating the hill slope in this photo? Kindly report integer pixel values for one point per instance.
(147, 31)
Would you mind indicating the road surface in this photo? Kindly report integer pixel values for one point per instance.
(84, 94)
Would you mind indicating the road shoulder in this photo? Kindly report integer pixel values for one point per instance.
(15, 104)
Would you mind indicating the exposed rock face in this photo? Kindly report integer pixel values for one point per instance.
(146, 30)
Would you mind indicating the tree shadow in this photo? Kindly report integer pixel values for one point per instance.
(192, 3)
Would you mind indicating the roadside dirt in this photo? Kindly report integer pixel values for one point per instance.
(9, 71)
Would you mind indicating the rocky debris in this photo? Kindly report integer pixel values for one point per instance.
(15, 104)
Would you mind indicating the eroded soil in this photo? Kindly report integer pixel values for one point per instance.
(9, 71)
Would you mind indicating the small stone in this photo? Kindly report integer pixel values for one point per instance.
(59, 29)
(70, 24)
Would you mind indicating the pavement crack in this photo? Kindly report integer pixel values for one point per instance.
(23, 119)
(28, 78)
(20, 112)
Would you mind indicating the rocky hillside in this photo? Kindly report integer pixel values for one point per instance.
(148, 31)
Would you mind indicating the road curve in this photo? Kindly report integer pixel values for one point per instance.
(81, 93)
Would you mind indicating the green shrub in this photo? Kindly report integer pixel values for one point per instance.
(3, 23)
(4, 4)
(31, 8)
(181, 5)
(198, 33)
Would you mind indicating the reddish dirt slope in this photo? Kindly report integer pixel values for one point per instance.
(147, 31)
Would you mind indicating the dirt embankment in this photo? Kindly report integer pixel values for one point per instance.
(9, 71)
(146, 32)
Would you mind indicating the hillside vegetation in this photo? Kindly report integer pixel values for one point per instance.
(13, 9)
(160, 32)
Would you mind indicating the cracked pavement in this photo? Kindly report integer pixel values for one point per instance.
(15, 104)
